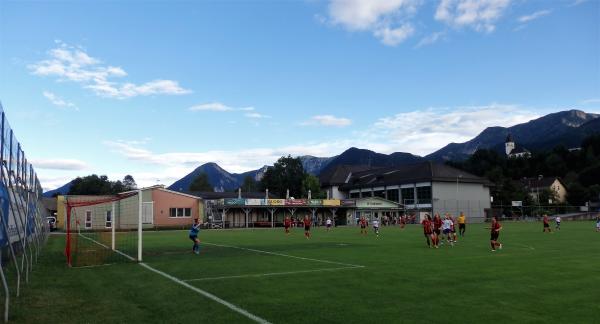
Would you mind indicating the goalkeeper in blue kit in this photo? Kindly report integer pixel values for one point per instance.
(194, 236)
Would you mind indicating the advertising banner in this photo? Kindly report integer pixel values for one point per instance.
(348, 202)
(315, 202)
(234, 202)
(296, 202)
(255, 202)
(331, 202)
(276, 202)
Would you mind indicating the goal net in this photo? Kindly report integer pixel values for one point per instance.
(103, 229)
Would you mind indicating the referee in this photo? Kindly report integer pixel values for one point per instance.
(462, 224)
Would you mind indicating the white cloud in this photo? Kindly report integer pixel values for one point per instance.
(419, 132)
(394, 36)
(217, 106)
(425, 131)
(430, 39)
(255, 115)
(58, 164)
(58, 101)
(590, 101)
(577, 3)
(533, 16)
(328, 120)
(386, 19)
(481, 15)
(69, 63)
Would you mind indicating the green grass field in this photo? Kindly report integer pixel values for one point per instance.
(537, 278)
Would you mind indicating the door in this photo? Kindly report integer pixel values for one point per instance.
(148, 213)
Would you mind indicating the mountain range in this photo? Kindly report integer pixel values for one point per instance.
(566, 128)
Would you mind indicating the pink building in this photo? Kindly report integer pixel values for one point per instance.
(172, 208)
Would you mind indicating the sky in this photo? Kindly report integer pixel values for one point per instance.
(155, 88)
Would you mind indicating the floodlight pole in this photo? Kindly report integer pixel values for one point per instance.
(140, 226)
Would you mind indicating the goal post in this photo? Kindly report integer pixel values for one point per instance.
(103, 229)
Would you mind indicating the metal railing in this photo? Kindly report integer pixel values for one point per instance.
(23, 223)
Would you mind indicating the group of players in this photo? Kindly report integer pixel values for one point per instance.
(307, 222)
(436, 229)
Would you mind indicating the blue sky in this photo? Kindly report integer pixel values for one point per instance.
(155, 89)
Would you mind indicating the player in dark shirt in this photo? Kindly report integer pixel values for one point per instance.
(546, 224)
(307, 223)
(287, 223)
(428, 230)
(494, 234)
(363, 226)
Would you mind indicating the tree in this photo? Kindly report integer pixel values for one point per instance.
(286, 173)
(91, 185)
(129, 183)
(311, 183)
(249, 184)
(201, 183)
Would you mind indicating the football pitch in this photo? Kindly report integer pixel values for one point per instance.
(245, 276)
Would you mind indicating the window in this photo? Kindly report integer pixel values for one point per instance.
(367, 193)
(392, 195)
(379, 193)
(108, 219)
(180, 212)
(424, 195)
(88, 219)
(355, 195)
(408, 196)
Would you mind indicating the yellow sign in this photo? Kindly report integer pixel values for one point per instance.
(331, 202)
(277, 202)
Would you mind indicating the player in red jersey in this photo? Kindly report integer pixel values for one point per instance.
(437, 228)
(363, 226)
(402, 221)
(494, 233)
(307, 224)
(428, 230)
(287, 223)
(546, 224)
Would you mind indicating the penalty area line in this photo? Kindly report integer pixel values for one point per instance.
(208, 295)
(286, 255)
(271, 274)
(195, 289)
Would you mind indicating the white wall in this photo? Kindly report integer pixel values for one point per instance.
(472, 199)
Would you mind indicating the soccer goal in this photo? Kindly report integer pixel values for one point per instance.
(103, 229)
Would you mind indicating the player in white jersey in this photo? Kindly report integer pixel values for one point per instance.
(376, 226)
(328, 224)
(447, 229)
(557, 219)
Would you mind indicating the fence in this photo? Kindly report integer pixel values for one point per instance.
(535, 212)
(23, 224)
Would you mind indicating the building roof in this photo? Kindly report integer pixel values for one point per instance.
(340, 174)
(411, 173)
(209, 195)
(519, 150)
(539, 183)
(509, 138)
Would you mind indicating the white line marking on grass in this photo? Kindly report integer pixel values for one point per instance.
(271, 274)
(208, 295)
(121, 253)
(198, 290)
(94, 266)
(524, 245)
(286, 255)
